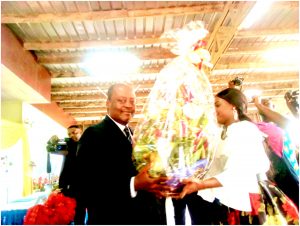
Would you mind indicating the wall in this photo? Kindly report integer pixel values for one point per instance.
(24, 134)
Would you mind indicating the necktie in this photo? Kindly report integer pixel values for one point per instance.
(127, 133)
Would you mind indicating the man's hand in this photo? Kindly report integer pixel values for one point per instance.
(143, 181)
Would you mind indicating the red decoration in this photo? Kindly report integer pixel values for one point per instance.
(199, 44)
(233, 217)
(291, 209)
(58, 209)
(255, 200)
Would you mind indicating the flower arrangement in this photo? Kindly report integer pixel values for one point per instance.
(178, 132)
(39, 183)
(58, 209)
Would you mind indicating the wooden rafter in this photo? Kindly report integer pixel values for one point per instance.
(219, 41)
(110, 14)
(121, 14)
(154, 53)
(95, 44)
(145, 41)
(96, 86)
(153, 70)
(59, 42)
(248, 77)
(141, 96)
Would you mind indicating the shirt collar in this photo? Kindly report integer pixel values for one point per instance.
(122, 127)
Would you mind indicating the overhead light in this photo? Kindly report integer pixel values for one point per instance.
(256, 13)
(287, 55)
(111, 65)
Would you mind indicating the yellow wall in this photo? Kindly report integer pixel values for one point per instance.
(24, 135)
(12, 132)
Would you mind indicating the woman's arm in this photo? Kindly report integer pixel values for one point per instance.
(273, 116)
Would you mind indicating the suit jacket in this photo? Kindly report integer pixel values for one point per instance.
(104, 169)
(67, 175)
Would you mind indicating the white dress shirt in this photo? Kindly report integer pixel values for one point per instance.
(238, 159)
(132, 190)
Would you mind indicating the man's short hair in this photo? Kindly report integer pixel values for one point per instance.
(111, 89)
(74, 126)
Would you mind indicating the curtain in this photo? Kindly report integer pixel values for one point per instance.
(11, 133)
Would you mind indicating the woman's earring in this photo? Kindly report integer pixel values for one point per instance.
(235, 114)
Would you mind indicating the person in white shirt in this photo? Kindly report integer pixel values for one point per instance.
(239, 158)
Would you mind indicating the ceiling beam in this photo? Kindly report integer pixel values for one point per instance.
(249, 84)
(95, 87)
(110, 14)
(93, 103)
(261, 66)
(89, 121)
(45, 46)
(100, 110)
(95, 114)
(22, 66)
(72, 96)
(269, 86)
(154, 53)
(211, 7)
(231, 19)
(98, 86)
(144, 70)
(157, 53)
(254, 77)
(252, 66)
(266, 32)
(96, 44)
(260, 48)
(94, 109)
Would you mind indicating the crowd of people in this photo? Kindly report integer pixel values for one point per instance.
(99, 172)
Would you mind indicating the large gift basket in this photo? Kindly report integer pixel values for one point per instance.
(179, 131)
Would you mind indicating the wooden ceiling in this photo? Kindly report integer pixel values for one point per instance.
(61, 33)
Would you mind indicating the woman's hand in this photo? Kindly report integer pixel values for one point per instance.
(192, 185)
(189, 185)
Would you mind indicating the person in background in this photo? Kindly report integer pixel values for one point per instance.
(289, 125)
(239, 158)
(109, 185)
(281, 140)
(292, 102)
(67, 175)
(268, 114)
(284, 153)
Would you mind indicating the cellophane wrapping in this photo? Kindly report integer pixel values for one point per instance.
(179, 130)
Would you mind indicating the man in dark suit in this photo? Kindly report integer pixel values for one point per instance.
(67, 176)
(109, 185)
